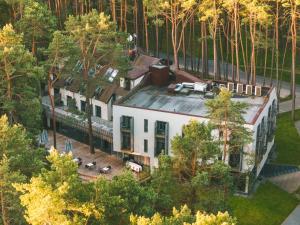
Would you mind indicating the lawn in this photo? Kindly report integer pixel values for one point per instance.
(287, 140)
(269, 206)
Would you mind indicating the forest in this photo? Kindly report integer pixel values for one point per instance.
(227, 39)
(238, 40)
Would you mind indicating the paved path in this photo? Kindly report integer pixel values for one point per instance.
(293, 218)
(297, 125)
(288, 182)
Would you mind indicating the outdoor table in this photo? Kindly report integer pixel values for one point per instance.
(90, 165)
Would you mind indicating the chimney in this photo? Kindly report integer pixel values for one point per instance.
(159, 75)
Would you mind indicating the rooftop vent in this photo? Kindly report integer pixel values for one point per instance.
(230, 86)
(248, 89)
(239, 88)
(258, 91)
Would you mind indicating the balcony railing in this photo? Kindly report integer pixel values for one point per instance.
(101, 128)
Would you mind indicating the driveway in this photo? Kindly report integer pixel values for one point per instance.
(293, 218)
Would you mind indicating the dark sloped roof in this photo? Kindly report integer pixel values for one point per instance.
(141, 66)
(60, 83)
(182, 76)
(136, 72)
(145, 61)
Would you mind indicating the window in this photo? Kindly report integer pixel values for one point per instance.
(82, 106)
(145, 125)
(234, 160)
(126, 143)
(159, 146)
(125, 122)
(145, 145)
(98, 111)
(160, 127)
(69, 101)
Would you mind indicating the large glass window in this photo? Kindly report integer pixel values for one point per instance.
(125, 123)
(98, 111)
(82, 106)
(159, 146)
(160, 127)
(126, 140)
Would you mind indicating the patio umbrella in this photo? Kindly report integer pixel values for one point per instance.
(68, 146)
(45, 136)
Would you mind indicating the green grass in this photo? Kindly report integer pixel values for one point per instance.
(287, 140)
(269, 206)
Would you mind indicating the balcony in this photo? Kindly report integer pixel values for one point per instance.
(101, 128)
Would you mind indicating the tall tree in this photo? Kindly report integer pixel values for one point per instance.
(293, 12)
(210, 11)
(196, 143)
(227, 116)
(98, 43)
(37, 24)
(11, 209)
(57, 65)
(19, 86)
(179, 13)
(57, 189)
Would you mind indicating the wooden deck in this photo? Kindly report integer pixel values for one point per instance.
(81, 150)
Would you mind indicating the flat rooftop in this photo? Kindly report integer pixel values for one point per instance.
(158, 98)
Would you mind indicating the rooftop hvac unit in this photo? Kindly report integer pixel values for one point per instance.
(257, 90)
(230, 86)
(248, 89)
(239, 88)
(200, 87)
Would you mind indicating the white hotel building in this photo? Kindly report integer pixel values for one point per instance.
(146, 120)
(136, 116)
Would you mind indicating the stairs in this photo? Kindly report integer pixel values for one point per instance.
(273, 170)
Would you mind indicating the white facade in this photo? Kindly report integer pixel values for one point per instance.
(175, 123)
(106, 109)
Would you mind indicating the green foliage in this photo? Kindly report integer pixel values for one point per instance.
(121, 197)
(227, 117)
(165, 185)
(185, 217)
(213, 187)
(16, 145)
(56, 189)
(19, 86)
(37, 24)
(11, 210)
(196, 143)
(268, 206)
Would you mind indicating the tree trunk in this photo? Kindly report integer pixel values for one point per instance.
(277, 47)
(236, 41)
(294, 47)
(52, 102)
(4, 212)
